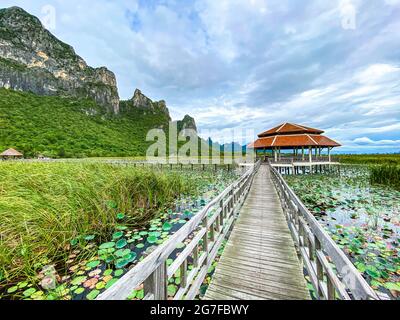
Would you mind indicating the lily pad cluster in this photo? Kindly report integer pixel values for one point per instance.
(363, 219)
(93, 263)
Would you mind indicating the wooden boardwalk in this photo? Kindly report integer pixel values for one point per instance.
(260, 260)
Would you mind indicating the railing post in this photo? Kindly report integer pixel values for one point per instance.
(183, 269)
(301, 233)
(156, 283)
(222, 213)
(212, 232)
(310, 249)
(296, 218)
(217, 224)
(196, 256)
(230, 206)
(205, 238)
(331, 290)
(320, 268)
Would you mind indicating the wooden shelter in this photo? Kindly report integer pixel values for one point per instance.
(307, 145)
(11, 154)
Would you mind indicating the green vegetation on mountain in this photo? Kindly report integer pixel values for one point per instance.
(69, 127)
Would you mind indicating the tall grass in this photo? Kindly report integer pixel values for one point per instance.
(45, 205)
(388, 175)
(370, 158)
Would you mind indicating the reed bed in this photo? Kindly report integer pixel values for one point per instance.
(45, 205)
(388, 175)
(370, 159)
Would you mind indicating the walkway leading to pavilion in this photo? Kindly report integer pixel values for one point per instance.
(260, 260)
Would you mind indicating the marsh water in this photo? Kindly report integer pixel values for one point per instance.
(92, 266)
(362, 218)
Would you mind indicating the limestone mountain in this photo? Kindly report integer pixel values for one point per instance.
(187, 123)
(140, 101)
(53, 103)
(32, 59)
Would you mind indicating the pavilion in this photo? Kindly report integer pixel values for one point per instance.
(307, 146)
(11, 154)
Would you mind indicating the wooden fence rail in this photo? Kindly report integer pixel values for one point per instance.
(332, 274)
(180, 166)
(208, 229)
(304, 159)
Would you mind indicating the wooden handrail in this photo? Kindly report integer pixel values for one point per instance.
(305, 159)
(210, 226)
(332, 274)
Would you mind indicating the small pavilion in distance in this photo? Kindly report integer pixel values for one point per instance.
(11, 154)
(292, 148)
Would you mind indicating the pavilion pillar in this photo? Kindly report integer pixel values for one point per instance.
(329, 154)
(302, 153)
(275, 155)
(310, 153)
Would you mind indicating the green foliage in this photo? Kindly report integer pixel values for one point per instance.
(388, 175)
(65, 127)
(370, 158)
(43, 206)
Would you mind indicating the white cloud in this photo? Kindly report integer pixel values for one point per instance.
(368, 141)
(248, 64)
(377, 73)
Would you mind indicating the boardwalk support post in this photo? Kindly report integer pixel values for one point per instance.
(155, 285)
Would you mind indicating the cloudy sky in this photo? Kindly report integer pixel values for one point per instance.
(249, 64)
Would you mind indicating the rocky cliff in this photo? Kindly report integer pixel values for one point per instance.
(139, 100)
(187, 123)
(32, 59)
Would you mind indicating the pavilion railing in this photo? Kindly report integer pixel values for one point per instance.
(206, 232)
(332, 274)
(305, 159)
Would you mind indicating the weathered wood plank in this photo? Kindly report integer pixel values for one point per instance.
(252, 289)
(272, 275)
(259, 260)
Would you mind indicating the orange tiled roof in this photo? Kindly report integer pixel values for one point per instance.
(289, 128)
(294, 140)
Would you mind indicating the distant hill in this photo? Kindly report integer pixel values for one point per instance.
(53, 103)
(71, 127)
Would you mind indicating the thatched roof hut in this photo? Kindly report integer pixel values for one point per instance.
(11, 153)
